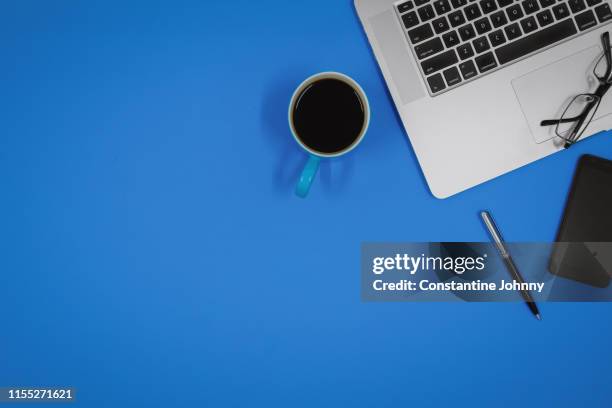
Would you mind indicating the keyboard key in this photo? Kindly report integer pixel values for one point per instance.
(546, 3)
(440, 25)
(603, 12)
(420, 33)
(410, 20)
(482, 25)
(404, 7)
(420, 2)
(536, 41)
(442, 7)
(486, 62)
(585, 20)
(450, 39)
(498, 19)
(488, 6)
(436, 83)
(576, 5)
(593, 2)
(452, 76)
(458, 3)
(504, 3)
(529, 24)
(497, 38)
(512, 31)
(530, 6)
(465, 51)
(468, 70)
(426, 13)
(481, 44)
(545, 18)
(472, 12)
(561, 11)
(514, 12)
(467, 32)
(428, 48)
(439, 62)
(456, 18)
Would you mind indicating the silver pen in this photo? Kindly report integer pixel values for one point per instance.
(510, 265)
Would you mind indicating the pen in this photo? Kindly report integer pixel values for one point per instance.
(514, 272)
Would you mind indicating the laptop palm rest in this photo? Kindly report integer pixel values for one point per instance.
(546, 92)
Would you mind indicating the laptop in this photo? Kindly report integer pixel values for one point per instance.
(473, 79)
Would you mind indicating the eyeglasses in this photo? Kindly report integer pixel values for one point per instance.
(582, 108)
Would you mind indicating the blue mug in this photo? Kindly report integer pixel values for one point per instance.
(312, 166)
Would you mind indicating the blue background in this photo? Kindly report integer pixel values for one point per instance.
(153, 253)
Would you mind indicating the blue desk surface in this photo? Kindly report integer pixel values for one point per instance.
(153, 253)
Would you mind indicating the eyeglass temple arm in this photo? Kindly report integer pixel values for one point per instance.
(605, 43)
(551, 122)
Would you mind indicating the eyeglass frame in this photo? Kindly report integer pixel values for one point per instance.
(605, 82)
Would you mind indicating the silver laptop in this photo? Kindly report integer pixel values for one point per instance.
(473, 79)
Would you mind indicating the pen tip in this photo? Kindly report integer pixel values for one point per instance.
(538, 317)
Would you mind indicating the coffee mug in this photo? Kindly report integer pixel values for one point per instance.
(329, 115)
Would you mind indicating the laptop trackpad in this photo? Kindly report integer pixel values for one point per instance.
(546, 92)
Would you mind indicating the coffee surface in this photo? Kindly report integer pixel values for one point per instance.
(328, 116)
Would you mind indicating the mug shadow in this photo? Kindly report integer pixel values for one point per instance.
(290, 157)
(334, 173)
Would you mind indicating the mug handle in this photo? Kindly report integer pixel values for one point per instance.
(308, 174)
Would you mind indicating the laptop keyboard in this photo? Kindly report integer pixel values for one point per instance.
(456, 41)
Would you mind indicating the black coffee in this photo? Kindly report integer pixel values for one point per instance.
(328, 116)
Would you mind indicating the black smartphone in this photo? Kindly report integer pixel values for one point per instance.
(584, 241)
